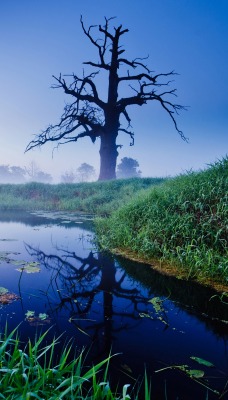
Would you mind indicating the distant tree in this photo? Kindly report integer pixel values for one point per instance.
(4, 173)
(12, 174)
(88, 115)
(128, 168)
(17, 174)
(36, 175)
(43, 177)
(68, 177)
(32, 170)
(85, 172)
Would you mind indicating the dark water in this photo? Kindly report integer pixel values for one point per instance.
(111, 305)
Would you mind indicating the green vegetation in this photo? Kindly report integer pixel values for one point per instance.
(31, 372)
(184, 221)
(99, 198)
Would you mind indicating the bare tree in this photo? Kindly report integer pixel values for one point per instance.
(36, 175)
(90, 116)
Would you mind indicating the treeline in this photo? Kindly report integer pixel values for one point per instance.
(127, 168)
(16, 174)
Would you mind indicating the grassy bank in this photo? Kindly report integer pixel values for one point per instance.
(99, 198)
(183, 221)
(30, 371)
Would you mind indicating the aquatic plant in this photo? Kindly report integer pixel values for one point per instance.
(33, 371)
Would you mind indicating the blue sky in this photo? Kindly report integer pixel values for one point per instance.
(41, 38)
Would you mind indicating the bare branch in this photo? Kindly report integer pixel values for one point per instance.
(77, 92)
(131, 134)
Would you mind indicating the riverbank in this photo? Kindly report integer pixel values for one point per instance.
(182, 222)
(99, 198)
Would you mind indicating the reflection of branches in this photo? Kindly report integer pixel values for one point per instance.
(80, 282)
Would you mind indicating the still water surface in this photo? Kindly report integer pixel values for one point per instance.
(111, 305)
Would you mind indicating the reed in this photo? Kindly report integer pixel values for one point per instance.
(184, 221)
(30, 371)
(99, 198)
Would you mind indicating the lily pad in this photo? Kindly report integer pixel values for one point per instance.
(3, 290)
(157, 304)
(5, 256)
(18, 262)
(202, 361)
(35, 320)
(195, 373)
(43, 316)
(30, 268)
(30, 314)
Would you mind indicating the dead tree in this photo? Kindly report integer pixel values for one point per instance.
(88, 115)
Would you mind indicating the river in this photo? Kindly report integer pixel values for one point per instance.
(61, 282)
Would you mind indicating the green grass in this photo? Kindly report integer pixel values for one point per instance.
(29, 371)
(99, 198)
(184, 220)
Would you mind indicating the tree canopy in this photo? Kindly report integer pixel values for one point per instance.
(128, 168)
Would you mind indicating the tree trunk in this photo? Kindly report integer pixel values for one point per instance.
(108, 157)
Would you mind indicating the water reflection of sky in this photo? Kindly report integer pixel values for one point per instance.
(89, 296)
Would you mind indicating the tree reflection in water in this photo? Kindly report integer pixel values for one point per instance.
(97, 295)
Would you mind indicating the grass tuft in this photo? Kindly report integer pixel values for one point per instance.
(31, 371)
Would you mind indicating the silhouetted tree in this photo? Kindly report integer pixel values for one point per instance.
(85, 172)
(128, 168)
(88, 115)
(82, 280)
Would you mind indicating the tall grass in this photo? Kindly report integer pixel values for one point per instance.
(30, 372)
(184, 220)
(99, 198)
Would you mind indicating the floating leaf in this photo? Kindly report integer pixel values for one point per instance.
(195, 373)
(29, 268)
(202, 361)
(142, 315)
(18, 262)
(41, 319)
(157, 303)
(3, 290)
(30, 314)
(43, 316)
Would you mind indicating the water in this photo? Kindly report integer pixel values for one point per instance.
(110, 305)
